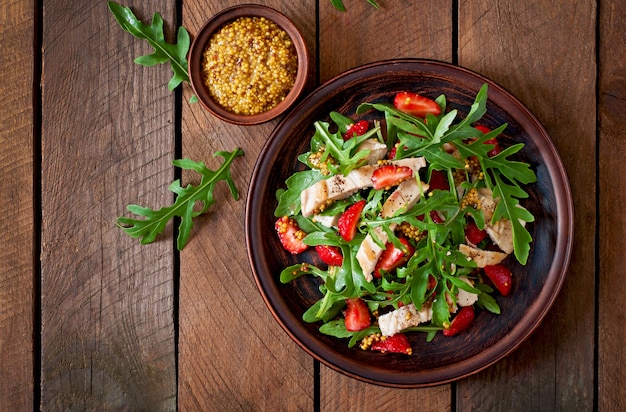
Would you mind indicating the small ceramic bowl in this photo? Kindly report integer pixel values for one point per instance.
(201, 42)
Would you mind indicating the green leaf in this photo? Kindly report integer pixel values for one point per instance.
(346, 153)
(175, 54)
(338, 4)
(289, 199)
(154, 221)
(509, 208)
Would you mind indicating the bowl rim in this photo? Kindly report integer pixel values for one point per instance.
(500, 349)
(202, 38)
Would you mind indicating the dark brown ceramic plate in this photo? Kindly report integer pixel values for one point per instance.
(492, 337)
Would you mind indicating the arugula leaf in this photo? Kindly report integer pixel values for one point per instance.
(338, 4)
(509, 208)
(346, 153)
(186, 197)
(485, 300)
(289, 199)
(175, 54)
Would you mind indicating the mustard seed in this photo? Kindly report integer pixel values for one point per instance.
(250, 65)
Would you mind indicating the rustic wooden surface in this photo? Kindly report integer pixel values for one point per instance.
(92, 320)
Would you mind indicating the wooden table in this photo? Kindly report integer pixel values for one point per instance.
(92, 320)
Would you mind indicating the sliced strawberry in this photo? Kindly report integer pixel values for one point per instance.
(393, 257)
(390, 175)
(391, 154)
(290, 235)
(438, 181)
(356, 129)
(415, 104)
(482, 129)
(357, 315)
(397, 343)
(473, 234)
(432, 282)
(496, 147)
(436, 217)
(461, 321)
(331, 255)
(349, 220)
(501, 278)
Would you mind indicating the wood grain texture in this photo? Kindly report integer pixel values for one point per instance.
(347, 40)
(342, 393)
(16, 200)
(612, 225)
(107, 329)
(108, 137)
(232, 354)
(515, 44)
(363, 34)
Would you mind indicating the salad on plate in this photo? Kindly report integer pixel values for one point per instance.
(412, 217)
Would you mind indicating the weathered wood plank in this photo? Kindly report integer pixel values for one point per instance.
(107, 131)
(358, 36)
(223, 319)
(342, 393)
(364, 34)
(612, 225)
(17, 28)
(523, 46)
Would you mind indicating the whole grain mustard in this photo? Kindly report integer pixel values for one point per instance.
(250, 65)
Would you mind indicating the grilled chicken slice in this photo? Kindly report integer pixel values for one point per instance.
(370, 251)
(402, 318)
(378, 150)
(500, 232)
(464, 298)
(316, 197)
(404, 197)
(482, 257)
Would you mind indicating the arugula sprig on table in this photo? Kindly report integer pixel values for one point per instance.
(164, 52)
(154, 221)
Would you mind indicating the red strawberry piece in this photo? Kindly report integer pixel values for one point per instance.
(390, 175)
(356, 129)
(397, 343)
(461, 322)
(290, 235)
(393, 152)
(496, 147)
(349, 220)
(501, 278)
(357, 315)
(432, 282)
(482, 129)
(331, 255)
(393, 257)
(473, 234)
(415, 104)
(436, 217)
(438, 181)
